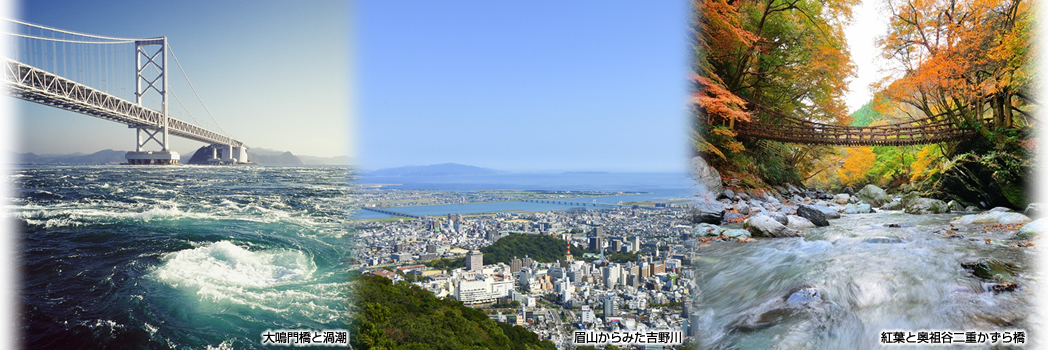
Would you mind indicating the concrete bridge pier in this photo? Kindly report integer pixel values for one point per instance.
(228, 154)
(140, 157)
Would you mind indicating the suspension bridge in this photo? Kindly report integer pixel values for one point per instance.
(785, 128)
(93, 75)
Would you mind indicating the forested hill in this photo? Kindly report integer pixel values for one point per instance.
(405, 316)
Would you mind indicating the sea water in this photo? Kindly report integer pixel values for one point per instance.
(185, 257)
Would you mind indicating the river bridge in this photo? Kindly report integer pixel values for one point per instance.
(393, 213)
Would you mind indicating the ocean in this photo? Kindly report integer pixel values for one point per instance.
(182, 257)
(656, 186)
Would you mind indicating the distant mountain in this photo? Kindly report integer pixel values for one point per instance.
(100, 157)
(446, 169)
(339, 160)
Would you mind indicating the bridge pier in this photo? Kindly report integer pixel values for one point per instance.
(228, 154)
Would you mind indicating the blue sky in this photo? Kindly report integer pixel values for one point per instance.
(275, 74)
(523, 86)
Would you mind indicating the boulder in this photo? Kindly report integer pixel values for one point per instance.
(842, 198)
(1033, 210)
(707, 230)
(780, 217)
(864, 208)
(796, 222)
(708, 212)
(705, 175)
(851, 209)
(927, 206)
(1033, 229)
(764, 225)
(742, 208)
(991, 218)
(727, 193)
(893, 205)
(909, 198)
(873, 195)
(736, 233)
(815, 215)
(955, 206)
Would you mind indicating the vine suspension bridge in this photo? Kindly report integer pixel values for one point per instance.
(99, 76)
(786, 128)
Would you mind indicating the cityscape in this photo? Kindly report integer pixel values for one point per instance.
(623, 268)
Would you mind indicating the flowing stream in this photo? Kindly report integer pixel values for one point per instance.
(842, 285)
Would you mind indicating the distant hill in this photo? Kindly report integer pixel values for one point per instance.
(446, 169)
(311, 160)
(100, 157)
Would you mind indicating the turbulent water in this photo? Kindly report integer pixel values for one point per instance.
(179, 257)
(842, 285)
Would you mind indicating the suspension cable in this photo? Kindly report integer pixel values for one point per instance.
(194, 90)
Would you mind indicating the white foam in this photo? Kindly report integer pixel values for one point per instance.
(222, 275)
(224, 264)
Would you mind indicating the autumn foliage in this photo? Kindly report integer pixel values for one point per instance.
(788, 56)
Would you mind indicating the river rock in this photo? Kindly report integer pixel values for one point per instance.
(927, 206)
(708, 212)
(1034, 210)
(705, 175)
(850, 209)
(849, 190)
(742, 208)
(1033, 229)
(873, 195)
(764, 225)
(708, 230)
(955, 206)
(864, 208)
(909, 198)
(991, 218)
(815, 215)
(991, 269)
(780, 217)
(842, 198)
(727, 193)
(882, 240)
(736, 233)
(893, 205)
(743, 195)
(796, 222)
(778, 310)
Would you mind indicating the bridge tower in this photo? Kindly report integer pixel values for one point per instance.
(157, 60)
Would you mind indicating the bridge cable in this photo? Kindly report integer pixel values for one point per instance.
(184, 107)
(195, 92)
(73, 33)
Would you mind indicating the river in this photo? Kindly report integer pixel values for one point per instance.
(842, 285)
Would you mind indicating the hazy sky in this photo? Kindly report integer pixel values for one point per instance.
(524, 86)
(870, 23)
(275, 74)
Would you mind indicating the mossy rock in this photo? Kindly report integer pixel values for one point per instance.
(992, 269)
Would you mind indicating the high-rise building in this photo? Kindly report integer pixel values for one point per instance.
(515, 265)
(610, 309)
(474, 260)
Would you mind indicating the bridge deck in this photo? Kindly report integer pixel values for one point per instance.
(36, 85)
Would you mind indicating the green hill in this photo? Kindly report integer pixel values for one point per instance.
(404, 316)
(864, 116)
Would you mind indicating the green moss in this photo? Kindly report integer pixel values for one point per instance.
(1015, 194)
